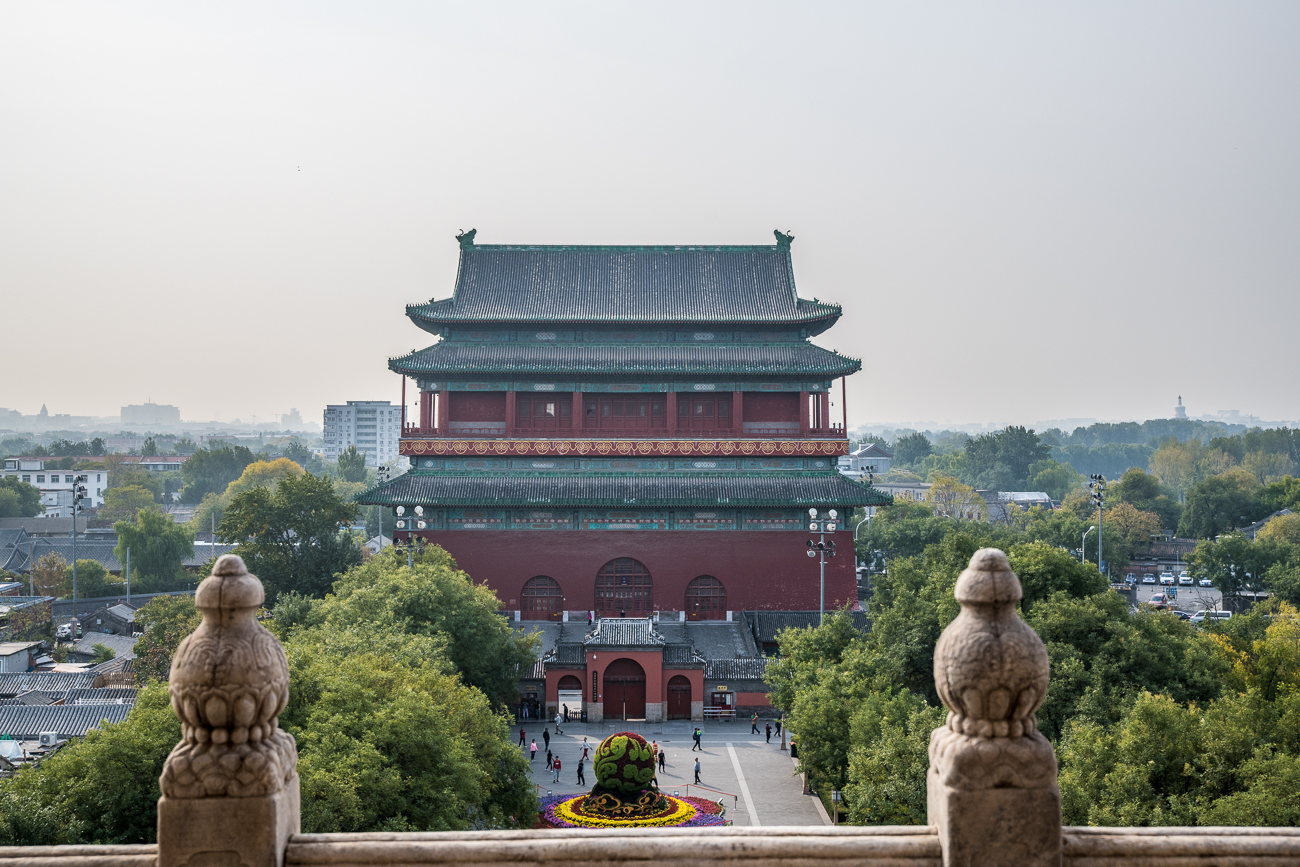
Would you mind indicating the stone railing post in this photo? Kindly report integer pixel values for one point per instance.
(230, 787)
(992, 789)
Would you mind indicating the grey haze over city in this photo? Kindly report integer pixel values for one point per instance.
(1029, 212)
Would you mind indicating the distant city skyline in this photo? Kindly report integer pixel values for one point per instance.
(1027, 212)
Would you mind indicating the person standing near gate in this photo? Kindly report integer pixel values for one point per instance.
(697, 770)
(521, 737)
(558, 718)
(769, 733)
(663, 759)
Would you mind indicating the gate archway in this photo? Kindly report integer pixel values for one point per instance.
(624, 684)
(679, 697)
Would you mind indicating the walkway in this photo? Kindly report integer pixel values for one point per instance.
(760, 775)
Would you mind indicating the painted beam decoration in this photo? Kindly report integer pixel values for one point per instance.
(416, 447)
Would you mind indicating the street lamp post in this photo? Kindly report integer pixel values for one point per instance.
(1098, 485)
(821, 525)
(1082, 542)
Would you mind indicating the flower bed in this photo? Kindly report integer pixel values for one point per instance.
(565, 811)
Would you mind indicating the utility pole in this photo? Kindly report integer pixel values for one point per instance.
(128, 576)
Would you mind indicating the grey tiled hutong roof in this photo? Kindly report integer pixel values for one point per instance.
(27, 723)
(50, 683)
(624, 632)
(736, 669)
(617, 285)
(761, 360)
(682, 655)
(561, 489)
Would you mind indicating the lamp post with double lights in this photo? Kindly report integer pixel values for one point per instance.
(414, 544)
(822, 548)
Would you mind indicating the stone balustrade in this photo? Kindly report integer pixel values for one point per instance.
(230, 791)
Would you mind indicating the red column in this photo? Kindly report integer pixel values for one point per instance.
(575, 414)
(510, 413)
(403, 404)
(426, 410)
(738, 412)
(824, 411)
(844, 403)
(444, 412)
(670, 409)
(803, 413)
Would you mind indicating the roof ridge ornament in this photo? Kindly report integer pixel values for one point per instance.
(466, 238)
(783, 239)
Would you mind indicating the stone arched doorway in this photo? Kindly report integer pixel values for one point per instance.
(679, 697)
(542, 599)
(624, 588)
(706, 599)
(624, 690)
(569, 696)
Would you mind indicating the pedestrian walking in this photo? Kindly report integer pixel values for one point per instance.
(532, 750)
(521, 737)
(589, 619)
(582, 781)
(696, 737)
(546, 737)
(697, 770)
(663, 765)
(778, 725)
(769, 733)
(753, 723)
(548, 760)
(558, 730)
(654, 752)
(566, 713)
(586, 749)
(556, 766)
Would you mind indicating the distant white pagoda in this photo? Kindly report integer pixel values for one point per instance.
(1180, 411)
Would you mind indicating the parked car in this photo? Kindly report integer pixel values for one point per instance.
(1148, 578)
(1158, 601)
(1167, 579)
(1131, 578)
(1182, 615)
(1185, 580)
(1205, 582)
(1207, 614)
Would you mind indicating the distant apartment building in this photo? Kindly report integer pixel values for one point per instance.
(373, 426)
(56, 485)
(150, 415)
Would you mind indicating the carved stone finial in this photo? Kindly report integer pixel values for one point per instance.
(991, 770)
(467, 239)
(783, 239)
(229, 683)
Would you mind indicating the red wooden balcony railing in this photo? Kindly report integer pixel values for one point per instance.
(497, 430)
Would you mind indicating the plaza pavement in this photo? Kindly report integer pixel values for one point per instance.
(761, 777)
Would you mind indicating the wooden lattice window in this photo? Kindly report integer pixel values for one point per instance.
(624, 586)
(706, 597)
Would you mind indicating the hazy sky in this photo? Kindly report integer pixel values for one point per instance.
(1028, 211)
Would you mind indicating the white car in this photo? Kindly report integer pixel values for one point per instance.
(1148, 578)
(1167, 579)
(1185, 580)
(1203, 616)
(1205, 582)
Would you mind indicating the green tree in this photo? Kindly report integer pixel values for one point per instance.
(291, 537)
(94, 580)
(51, 576)
(911, 449)
(103, 653)
(1144, 492)
(97, 448)
(352, 465)
(1220, 503)
(166, 621)
(126, 501)
(1053, 478)
(209, 471)
(149, 449)
(184, 446)
(159, 546)
(18, 499)
(889, 759)
(128, 476)
(1001, 460)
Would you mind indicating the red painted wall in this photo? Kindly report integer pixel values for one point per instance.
(763, 571)
(765, 406)
(477, 406)
(694, 675)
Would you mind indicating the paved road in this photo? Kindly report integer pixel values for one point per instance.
(759, 778)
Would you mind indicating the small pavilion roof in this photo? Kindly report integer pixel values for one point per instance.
(587, 359)
(516, 284)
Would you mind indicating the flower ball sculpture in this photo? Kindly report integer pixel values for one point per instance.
(625, 794)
